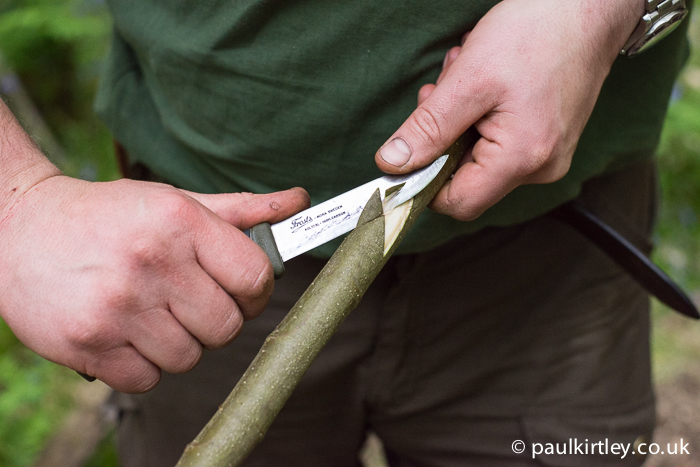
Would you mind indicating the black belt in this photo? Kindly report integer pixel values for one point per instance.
(628, 256)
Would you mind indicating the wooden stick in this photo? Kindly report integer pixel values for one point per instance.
(241, 422)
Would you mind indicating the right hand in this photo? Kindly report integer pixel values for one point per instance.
(121, 280)
(527, 79)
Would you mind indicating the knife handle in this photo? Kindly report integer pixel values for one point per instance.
(262, 235)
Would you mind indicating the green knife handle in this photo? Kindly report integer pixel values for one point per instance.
(262, 235)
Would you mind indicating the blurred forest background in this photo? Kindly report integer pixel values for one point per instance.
(51, 52)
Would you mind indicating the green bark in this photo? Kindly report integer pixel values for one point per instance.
(241, 422)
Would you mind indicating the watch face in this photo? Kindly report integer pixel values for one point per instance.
(658, 31)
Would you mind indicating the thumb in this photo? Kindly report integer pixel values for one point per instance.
(439, 120)
(245, 210)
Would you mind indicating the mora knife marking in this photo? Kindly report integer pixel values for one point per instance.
(337, 216)
(333, 218)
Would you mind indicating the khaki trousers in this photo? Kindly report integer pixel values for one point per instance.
(522, 333)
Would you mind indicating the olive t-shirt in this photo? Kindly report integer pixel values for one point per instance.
(264, 95)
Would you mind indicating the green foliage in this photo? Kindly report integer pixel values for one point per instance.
(676, 346)
(8, 341)
(26, 27)
(57, 47)
(678, 230)
(105, 454)
(33, 398)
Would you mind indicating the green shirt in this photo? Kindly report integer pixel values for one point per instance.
(264, 95)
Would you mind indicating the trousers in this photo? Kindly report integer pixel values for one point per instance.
(522, 333)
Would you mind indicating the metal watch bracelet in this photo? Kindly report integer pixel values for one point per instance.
(661, 18)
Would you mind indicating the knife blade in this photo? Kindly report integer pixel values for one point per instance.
(337, 216)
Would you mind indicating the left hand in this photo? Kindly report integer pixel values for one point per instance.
(527, 77)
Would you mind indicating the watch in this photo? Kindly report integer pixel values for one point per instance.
(662, 17)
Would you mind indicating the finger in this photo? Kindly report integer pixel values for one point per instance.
(206, 310)
(245, 210)
(161, 339)
(427, 89)
(484, 179)
(424, 92)
(450, 57)
(452, 107)
(236, 263)
(124, 369)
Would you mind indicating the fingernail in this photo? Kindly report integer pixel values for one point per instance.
(447, 57)
(397, 152)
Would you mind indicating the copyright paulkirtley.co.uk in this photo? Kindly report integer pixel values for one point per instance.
(584, 447)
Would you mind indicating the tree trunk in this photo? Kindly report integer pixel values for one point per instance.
(241, 422)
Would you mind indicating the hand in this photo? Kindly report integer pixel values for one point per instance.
(527, 77)
(119, 280)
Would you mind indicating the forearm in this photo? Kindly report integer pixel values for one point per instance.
(22, 165)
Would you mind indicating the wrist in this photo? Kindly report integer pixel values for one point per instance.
(594, 30)
(22, 165)
(618, 19)
(18, 180)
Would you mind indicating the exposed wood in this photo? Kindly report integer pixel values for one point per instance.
(241, 422)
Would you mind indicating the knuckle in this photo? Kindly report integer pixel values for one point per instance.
(124, 369)
(187, 358)
(539, 154)
(534, 162)
(557, 170)
(303, 199)
(464, 204)
(547, 160)
(174, 208)
(244, 197)
(168, 219)
(91, 332)
(86, 335)
(255, 290)
(147, 250)
(428, 123)
(227, 331)
(142, 380)
(462, 210)
(258, 282)
(118, 294)
(466, 215)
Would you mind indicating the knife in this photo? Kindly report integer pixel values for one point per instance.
(337, 216)
(629, 257)
(331, 219)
